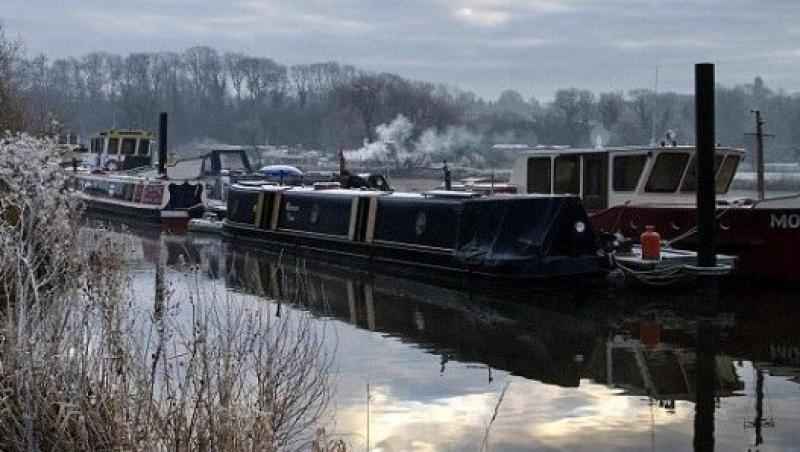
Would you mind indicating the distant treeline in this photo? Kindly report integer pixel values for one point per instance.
(243, 99)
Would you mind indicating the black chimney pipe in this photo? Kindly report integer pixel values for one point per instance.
(162, 144)
(705, 138)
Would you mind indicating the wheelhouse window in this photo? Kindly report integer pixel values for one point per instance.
(231, 161)
(567, 174)
(539, 175)
(113, 146)
(129, 146)
(726, 172)
(595, 181)
(667, 172)
(628, 171)
(144, 147)
(97, 145)
(690, 180)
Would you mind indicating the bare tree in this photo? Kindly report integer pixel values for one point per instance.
(11, 111)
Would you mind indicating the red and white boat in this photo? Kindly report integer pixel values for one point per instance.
(627, 188)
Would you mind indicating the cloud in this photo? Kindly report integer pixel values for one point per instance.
(482, 17)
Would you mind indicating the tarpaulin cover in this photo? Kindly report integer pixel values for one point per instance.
(520, 234)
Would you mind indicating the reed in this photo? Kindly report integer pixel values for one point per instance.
(87, 363)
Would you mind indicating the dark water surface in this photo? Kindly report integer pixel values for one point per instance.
(582, 369)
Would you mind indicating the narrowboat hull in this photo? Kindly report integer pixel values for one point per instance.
(175, 221)
(421, 237)
(143, 202)
(765, 238)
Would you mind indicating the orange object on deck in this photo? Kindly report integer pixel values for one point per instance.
(651, 244)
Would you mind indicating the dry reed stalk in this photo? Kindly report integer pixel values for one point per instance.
(86, 365)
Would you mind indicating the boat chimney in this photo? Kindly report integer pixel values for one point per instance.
(448, 184)
(162, 144)
(706, 193)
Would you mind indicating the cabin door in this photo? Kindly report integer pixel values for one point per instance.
(595, 182)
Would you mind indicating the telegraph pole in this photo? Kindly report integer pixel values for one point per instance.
(759, 153)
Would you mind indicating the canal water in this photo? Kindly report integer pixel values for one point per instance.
(420, 367)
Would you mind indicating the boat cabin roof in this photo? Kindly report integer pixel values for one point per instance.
(115, 133)
(556, 151)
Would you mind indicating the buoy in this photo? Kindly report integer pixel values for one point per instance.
(651, 244)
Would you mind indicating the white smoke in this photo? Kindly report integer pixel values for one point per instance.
(394, 144)
(391, 140)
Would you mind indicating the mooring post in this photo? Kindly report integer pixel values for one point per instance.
(707, 296)
(705, 137)
(162, 144)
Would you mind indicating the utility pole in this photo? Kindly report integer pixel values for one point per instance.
(759, 153)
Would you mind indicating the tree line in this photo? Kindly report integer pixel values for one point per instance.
(243, 99)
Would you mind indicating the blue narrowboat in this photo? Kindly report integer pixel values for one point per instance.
(443, 234)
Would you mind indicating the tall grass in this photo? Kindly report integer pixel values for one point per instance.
(86, 364)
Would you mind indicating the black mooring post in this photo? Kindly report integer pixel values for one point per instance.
(162, 144)
(705, 385)
(705, 137)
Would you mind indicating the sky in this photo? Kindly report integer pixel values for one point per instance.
(484, 46)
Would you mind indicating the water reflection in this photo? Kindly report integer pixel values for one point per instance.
(588, 370)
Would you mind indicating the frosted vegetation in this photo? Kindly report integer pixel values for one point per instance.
(88, 364)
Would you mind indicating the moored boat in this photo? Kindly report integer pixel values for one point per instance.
(438, 234)
(626, 189)
(142, 200)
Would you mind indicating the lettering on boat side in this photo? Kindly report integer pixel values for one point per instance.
(784, 221)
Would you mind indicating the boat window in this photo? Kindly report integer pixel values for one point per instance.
(567, 174)
(73, 139)
(539, 175)
(97, 145)
(129, 146)
(62, 139)
(726, 172)
(667, 172)
(113, 146)
(144, 147)
(690, 180)
(231, 161)
(628, 171)
(595, 182)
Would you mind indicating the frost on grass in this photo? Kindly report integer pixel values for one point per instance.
(85, 365)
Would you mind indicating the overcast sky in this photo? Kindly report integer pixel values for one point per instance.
(533, 46)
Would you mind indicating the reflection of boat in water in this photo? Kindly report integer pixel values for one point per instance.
(554, 337)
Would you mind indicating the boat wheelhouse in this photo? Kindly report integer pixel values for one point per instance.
(438, 234)
(120, 149)
(607, 177)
